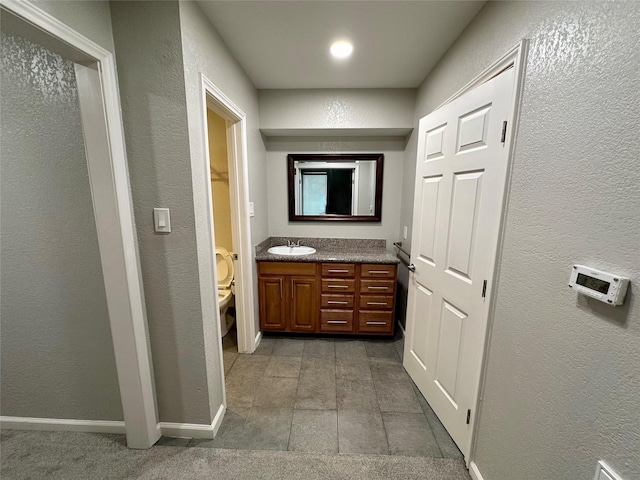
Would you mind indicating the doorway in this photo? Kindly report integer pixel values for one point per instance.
(461, 183)
(94, 98)
(226, 169)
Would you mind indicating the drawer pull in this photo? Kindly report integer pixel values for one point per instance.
(342, 286)
(334, 302)
(376, 303)
(376, 323)
(337, 322)
(338, 271)
(380, 272)
(378, 288)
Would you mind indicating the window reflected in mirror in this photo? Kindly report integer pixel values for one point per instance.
(335, 187)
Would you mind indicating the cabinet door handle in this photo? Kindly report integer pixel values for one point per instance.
(337, 322)
(376, 303)
(380, 272)
(281, 288)
(291, 288)
(333, 302)
(376, 323)
(378, 288)
(338, 271)
(341, 286)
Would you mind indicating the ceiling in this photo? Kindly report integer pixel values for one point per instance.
(285, 44)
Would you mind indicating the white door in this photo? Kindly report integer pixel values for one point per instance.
(460, 180)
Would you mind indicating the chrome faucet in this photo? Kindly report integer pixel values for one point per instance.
(292, 244)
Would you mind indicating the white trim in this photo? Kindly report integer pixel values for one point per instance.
(516, 57)
(474, 472)
(62, 424)
(108, 177)
(258, 339)
(194, 430)
(241, 225)
(188, 430)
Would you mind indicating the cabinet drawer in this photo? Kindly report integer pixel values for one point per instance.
(338, 285)
(338, 270)
(375, 322)
(336, 301)
(378, 271)
(377, 286)
(336, 321)
(376, 302)
(286, 268)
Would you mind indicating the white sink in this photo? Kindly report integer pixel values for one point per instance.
(284, 250)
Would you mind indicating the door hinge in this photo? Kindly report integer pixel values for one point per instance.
(468, 416)
(484, 289)
(504, 132)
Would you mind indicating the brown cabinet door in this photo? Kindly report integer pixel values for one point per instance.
(304, 303)
(272, 303)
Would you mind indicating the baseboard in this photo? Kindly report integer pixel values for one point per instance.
(402, 330)
(62, 424)
(257, 340)
(193, 430)
(474, 472)
(217, 420)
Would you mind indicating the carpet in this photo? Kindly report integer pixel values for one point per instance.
(70, 455)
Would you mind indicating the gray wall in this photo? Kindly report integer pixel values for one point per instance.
(563, 381)
(91, 19)
(57, 352)
(279, 225)
(204, 51)
(348, 111)
(152, 90)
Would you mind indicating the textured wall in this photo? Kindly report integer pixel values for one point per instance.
(563, 382)
(279, 224)
(91, 19)
(219, 162)
(370, 108)
(57, 352)
(205, 52)
(150, 72)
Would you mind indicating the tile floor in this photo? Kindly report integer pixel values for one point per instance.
(328, 396)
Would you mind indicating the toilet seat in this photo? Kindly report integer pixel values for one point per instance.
(225, 268)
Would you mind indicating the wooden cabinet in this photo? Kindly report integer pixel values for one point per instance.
(338, 298)
(332, 298)
(377, 299)
(288, 296)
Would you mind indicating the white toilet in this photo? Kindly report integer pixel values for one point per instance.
(226, 288)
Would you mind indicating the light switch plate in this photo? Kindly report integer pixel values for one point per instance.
(252, 211)
(604, 472)
(162, 220)
(404, 233)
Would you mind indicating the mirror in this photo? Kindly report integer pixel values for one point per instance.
(344, 186)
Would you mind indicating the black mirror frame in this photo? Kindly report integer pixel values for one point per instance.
(335, 157)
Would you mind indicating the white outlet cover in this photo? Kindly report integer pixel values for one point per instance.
(252, 210)
(404, 233)
(604, 472)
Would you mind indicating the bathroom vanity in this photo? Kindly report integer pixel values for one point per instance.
(345, 287)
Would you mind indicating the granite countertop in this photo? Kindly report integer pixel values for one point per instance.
(335, 250)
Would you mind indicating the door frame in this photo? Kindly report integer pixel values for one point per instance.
(112, 205)
(515, 58)
(212, 97)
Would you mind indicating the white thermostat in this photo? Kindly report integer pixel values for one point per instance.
(606, 287)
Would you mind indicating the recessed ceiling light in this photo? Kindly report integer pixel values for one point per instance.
(341, 49)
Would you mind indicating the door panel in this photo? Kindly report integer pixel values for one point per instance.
(304, 304)
(460, 180)
(272, 309)
(428, 207)
(467, 188)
